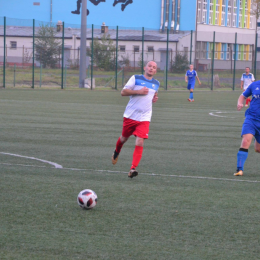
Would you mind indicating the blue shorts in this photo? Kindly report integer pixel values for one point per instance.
(251, 126)
(190, 86)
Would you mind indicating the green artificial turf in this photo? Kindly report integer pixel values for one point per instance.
(184, 204)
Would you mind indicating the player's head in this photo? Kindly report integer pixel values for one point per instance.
(191, 67)
(247, 69)
(150, 68)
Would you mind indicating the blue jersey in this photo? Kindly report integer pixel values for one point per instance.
(191, 76)
(254, 109)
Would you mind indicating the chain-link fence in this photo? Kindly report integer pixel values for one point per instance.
(40, 54)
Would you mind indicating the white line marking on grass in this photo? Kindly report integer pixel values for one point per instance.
(147, 174)
(56, 165)
(222, 112)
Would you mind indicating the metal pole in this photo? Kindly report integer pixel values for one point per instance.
(14, 73)
(83, 44)
(33, 53)
(65, 81)
(116, 55)
(235, 58)
(191, 45)
(62, 56)
(213, 58)
(256, 42)
(92, 56)
(142, 69)
(167, 54)
(41, 75)
(4, 51)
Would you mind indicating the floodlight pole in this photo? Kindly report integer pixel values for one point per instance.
(83, 44)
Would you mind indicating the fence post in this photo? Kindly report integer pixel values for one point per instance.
(167, 54)
(4, 51)
(14, 73)
(191, 45)
(234, 72)
(65, 81)
(33, 53)
(116, 55)
(41, 75)
(62, 56)
(213, 58)
(256, 40)
(142, 69)
(92, 55)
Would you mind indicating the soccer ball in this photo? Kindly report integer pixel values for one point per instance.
(87, 199)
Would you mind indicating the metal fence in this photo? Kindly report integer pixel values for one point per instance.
(40, 54)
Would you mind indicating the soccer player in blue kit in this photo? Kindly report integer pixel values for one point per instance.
(190, 78)
(251, 126)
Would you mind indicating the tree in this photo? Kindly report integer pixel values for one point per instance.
(103, 52)
(47, 47)
(181, 62)
(255, 10)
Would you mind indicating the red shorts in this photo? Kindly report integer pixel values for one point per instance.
(136, 128)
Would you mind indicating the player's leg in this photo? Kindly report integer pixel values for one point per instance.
(141, 132)
(191, 98)
(127, 131)
(248, 132)
(78, 8)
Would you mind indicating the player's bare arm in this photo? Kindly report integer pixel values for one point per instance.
(129, 92)
(242, 84)
(198, 79)
(186, 79)
(240, 102)
(155, 97)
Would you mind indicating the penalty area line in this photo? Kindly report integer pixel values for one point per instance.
(147, 174)
(56, 165)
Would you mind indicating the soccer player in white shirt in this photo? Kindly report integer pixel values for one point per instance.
(246, 79)
(142, 90)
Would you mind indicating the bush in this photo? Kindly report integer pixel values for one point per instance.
(180, 64)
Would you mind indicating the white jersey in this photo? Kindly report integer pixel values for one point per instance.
(248, 79)
(139, 107)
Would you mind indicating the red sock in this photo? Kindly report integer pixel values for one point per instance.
(247, 101)
(137, 156)
(119, 145)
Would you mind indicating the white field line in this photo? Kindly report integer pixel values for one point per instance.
(58, 166)
(221, 112)
(147, 174)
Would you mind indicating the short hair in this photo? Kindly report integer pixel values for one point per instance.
(247, 67)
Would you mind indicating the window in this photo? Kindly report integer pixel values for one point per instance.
(240, 14)
(217, 13)
(230, 51)
(211, 5)
(136, 48)
(186, 51)
(250, 52)
(223, 13)
(199, 11)
(234, 23)
(122, 48)
(150, 49)
(204, 11)
(222, 51)
(246, 14)
(13, 45)
(229, 18)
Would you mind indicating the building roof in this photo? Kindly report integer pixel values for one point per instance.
(123, 35)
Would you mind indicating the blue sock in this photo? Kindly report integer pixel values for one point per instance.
(241, 158)
(191, 95)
